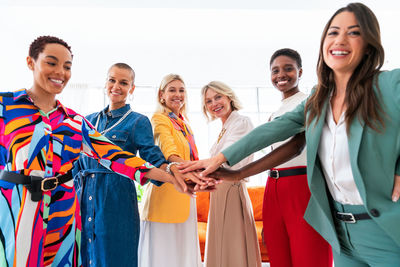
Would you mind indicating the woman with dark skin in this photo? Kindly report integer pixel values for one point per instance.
(290, 240)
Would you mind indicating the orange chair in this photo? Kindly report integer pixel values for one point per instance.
(203, 204)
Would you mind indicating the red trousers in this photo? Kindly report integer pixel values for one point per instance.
(290, 240)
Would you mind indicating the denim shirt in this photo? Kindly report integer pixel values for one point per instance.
(110, 217)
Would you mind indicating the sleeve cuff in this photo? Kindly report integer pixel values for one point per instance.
(141, 172)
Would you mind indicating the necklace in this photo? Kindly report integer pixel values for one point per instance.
(118, 122)
(221, 134)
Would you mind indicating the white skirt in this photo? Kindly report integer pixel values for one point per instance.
(170, 244)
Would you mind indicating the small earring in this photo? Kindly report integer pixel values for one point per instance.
(162, 100)
(130, 97)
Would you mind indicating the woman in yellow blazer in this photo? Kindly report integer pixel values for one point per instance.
(169, 218)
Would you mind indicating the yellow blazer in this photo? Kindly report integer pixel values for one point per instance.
(164, 203)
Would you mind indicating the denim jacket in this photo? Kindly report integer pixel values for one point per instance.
(110, 218)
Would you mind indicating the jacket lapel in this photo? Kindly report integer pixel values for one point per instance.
(318, 212)
(313, 136)
(354, 138)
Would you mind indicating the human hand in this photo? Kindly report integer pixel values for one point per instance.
(181, 186)
(192, 177)
(191, 182)
(209, 187)
(226, 174)
(396, 188)
(209, 165)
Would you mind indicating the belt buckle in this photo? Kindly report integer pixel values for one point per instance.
(53, 180)
(274, 174)
(347, 217)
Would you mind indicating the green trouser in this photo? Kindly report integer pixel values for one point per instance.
(363, 243)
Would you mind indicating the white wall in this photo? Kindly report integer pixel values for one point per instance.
(216, 40)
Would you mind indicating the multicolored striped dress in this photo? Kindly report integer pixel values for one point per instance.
(48, 232)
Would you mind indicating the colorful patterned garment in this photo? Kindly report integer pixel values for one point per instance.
(180, 125)
(48, 232)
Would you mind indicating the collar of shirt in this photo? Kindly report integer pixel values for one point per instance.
(116, 113)
(232, 117)
(329, 117)
(22, 94)
(295, 96)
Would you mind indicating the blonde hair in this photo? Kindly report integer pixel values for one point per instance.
(222, 89)
(161, 107)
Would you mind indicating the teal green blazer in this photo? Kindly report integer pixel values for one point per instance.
(375, 159)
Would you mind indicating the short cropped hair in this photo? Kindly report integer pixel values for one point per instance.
(37, 46)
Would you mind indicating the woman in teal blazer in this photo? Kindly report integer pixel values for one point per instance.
(364, 232)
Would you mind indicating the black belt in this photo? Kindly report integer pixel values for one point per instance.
(350, 217)
(35, 184)
(289, 172)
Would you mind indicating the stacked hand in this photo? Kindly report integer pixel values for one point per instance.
(205, 166)
(191, 182)
(207, 171)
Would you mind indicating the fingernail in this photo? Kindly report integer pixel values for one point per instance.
(395, 198)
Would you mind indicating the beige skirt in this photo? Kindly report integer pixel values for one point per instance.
(231, 233)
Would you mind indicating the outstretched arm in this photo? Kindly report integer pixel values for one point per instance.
(279, 129)
(278, 156)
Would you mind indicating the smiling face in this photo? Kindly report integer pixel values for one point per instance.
(285, 75)
(174, 96)
(118, 86)
(51, 70)
(343, 47)
(218, 105)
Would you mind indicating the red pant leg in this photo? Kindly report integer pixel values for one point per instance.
(275, 233)
(307, 246)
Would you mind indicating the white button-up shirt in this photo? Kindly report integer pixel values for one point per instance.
(287, 105)
(334, 154)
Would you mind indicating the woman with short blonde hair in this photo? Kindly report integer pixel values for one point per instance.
(223, 89)
(231, 225)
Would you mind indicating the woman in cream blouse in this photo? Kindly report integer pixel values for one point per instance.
(231, 233)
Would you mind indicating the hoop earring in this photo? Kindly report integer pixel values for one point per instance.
(130, 97)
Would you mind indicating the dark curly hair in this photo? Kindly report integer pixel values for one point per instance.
(37, 46)
(293, 54)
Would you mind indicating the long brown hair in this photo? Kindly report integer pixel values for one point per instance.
(360, 99)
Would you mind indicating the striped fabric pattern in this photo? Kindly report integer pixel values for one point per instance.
(180, 125)
(48, 232)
